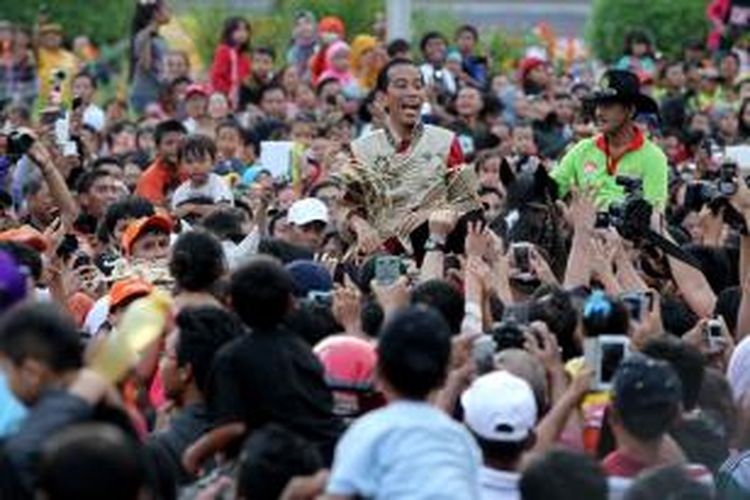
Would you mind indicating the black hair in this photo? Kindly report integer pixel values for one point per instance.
(261, 292)
(468, 28)
(716, 402)
(383, 77)
(398, 46)
(501, 451)
(231, 123)
(563, 475)
(197, 261)
(444, 297)
(203, 330)
(230, 25)
(655, 483)
(225, 224)
(121, 472)
(322, 84)
(87, 180)
(413, 351)
(556, 309)
(648, 424)
(24, 256)
(687, 361)
(166, 127)
(431, 35)
(270, 458)
(142, 17)
(41, 331)
(615, 320)
(86, 74)
(118, 128)
(265, 50)
(132, 207)
(270, 88)
(198, 147)
(744, 128)
(638, 36)
(312, 321)
(283, 251)
(106, 160)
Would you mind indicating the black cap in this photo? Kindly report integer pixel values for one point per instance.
(618, 85)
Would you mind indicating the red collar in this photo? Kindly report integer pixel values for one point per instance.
(601, 142)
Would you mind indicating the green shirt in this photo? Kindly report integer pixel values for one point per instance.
(586, 164)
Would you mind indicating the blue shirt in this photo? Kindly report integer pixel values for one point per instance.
(12, 411)
(408, 449)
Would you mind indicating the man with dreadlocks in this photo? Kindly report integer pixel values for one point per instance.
(406, 171)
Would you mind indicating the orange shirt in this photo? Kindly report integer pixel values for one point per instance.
(157, 181)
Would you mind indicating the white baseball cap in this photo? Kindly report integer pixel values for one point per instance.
(499, 406)
(307, 210)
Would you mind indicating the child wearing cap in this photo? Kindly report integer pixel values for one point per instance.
(197, 158)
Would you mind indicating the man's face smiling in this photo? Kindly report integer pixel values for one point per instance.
(405, 94)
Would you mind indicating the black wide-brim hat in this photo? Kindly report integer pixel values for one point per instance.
(618, 85)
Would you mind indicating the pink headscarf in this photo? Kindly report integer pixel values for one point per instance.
(344, 77)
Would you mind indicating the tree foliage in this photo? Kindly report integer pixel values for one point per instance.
(670, 22)
(104, 21)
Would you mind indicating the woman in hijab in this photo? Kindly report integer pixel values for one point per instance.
(366, 61)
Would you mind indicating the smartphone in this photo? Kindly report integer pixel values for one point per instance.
(521, 257)
(49, 117)
(714, 336)
(387, 269)
(604, 355)
(77, 102)
(635, 303)
(727, 174)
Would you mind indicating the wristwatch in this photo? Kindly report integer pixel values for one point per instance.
(432, 245)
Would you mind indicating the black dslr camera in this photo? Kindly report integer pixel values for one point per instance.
(19, 142)
(632, 217)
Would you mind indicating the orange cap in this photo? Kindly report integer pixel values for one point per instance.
(26, 235)
(129, 288)
(136, 228)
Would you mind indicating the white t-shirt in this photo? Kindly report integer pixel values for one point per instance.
(498, 485)
(215, 188)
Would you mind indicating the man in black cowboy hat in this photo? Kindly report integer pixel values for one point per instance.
(621, 149)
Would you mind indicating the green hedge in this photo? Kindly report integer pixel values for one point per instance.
(104, 21)
(670, 22)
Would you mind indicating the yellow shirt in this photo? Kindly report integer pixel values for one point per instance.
(51, 61)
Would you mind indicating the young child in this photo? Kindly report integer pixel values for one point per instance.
(197, 159)
(229, 144)
(408, 449)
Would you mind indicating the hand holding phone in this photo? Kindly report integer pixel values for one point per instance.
(387, 269)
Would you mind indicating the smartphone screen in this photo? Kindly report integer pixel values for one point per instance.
(612, 355)
(521, 258)
(387, 269)
(634, 303)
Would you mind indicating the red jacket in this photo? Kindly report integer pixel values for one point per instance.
(228, 70)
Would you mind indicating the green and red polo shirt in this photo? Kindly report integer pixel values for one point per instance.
(589, 163)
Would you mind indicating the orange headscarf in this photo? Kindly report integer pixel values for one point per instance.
(366, 76)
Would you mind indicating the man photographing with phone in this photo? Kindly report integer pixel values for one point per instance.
(621, 149)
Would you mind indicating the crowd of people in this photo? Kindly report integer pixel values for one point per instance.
(370, 269)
